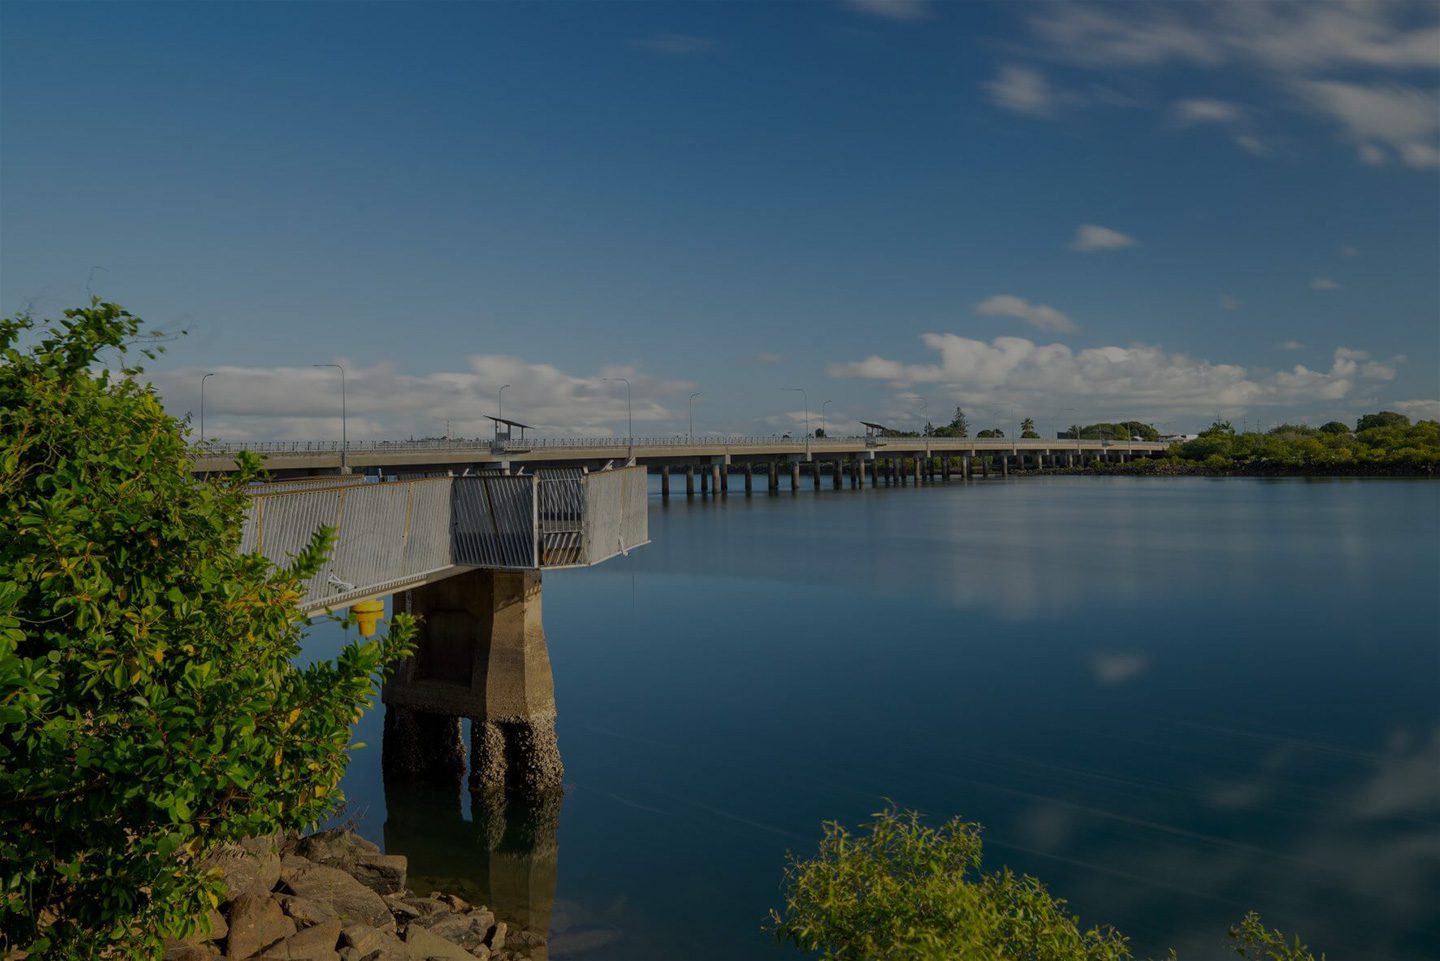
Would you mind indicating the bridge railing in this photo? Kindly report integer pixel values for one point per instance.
(389, 535)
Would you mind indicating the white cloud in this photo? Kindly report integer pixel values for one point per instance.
(1228, 302)
(1039, 315)
(1299, 47)
(1202, 110)
(1023, 90)
(892, 9)
(1292, 345)
(1014, 369)
(302, 403)
(765, 357)
(1095, 237)
(1324, 283)
(1382, 117)
(1419, 409)
(674, 44)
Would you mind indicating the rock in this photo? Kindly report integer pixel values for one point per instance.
(216, 925)
(327, 846)
(291, 864)
(496, 938)
(244, 871)
(351, 900)
(357, 857)
(417, 907)
(188, 951)
(456, 904)
(315, 943)
(370, 944)
(381, 873)
(423, 945)
(256, 922)
(484, 918)
(305, 911)
(466, 930)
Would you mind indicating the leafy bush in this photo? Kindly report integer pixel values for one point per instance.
(907, 892)
(149, 708)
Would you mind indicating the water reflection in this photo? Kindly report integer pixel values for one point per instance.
(506, 856)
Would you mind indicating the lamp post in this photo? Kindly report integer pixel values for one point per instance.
(629, 418)
(344, 434)
(691, 435)
(500, 404)
(822, 417)
(805, 398)
(202, 404)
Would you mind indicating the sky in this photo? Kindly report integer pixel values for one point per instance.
(1075, 212)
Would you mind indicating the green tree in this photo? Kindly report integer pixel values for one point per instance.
(1385, 418)
(1027, 429)
(149, 706)
(991, 432)
(1334, 427)
(904, 891)
(1222, 428)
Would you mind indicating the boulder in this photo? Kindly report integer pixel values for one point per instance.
(256, 922)
(351, 900)
(305, 911)
(496, 938)
(413, 907)
(315, 943)
(371, 944)
(466, 930)
(245, 871)
(423, 945)
(357, 857)
(173, 950)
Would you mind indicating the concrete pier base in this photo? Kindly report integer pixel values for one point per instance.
(774, 478)
(664, 481)
(749, 478)
(481, 654)
(794, 476)
(689, 482)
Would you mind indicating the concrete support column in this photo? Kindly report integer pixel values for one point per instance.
(689, 481)
(945, 468)
(1004, 465)
(839, 478)
(985, 466)
(774, 478)
(859, 477)
(716, 478)
(481, 654)
(919, 464)
(794, 476)
(749, 478)
(665, 482)
(815, 474)
(704, 481)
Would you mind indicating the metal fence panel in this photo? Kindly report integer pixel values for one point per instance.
(615, 516)
(492, 523)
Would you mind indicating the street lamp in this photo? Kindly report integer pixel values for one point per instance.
(500, 404)
(629, 418)
(344, 436)
(822, 417)
(692, 416)
(202, 404)
(805, 398)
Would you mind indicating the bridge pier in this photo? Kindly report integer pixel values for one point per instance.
(773, 478)
(794, 476)
(704, 482)
(749, 477)
(839, 479)
(480, 654)
(665, 481)
(689, 481)
(1004, 465)
(815, 474)
(717, 480)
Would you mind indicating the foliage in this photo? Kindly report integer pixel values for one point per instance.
(1027, 429)
(959, 426)
(1291, 447)
(991, 433)
(1385, 418)
(1334, 427)
(1219, 428)
(903, 891)
(1124, 430)
(149, 708)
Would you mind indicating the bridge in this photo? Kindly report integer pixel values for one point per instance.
(712, 460)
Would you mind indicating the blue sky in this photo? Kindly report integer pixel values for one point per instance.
(1076, 212)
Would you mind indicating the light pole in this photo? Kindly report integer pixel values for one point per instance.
(822, 417)
(691, 435)
(202, 404)
(500, 404)
(629, 418)
(805, 398)
(344, 435)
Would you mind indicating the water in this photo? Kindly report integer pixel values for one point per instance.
(1171, 699)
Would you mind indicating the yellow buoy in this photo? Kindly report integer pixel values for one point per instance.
(368, 613)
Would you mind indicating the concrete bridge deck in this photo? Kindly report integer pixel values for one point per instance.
(305, 457)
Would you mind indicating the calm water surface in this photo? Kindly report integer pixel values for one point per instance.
(1171, 699)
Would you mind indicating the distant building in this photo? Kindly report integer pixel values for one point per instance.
(1177, 438)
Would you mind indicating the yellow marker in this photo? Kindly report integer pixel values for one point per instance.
(368, 614)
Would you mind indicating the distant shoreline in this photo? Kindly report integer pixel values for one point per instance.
(1152, 468)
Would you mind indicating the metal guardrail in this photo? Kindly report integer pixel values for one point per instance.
(401, 533)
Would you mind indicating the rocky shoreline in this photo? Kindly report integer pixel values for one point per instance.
(333, 896)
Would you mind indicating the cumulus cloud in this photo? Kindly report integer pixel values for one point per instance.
(892, 9)
(1292, 345)
(765, 357)
(303, 403)
(1382, 119)
(1324, 283)
(1039, 315)
(1419, 409)
(1021, 370)
(1023, 90)
(1095, 237)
